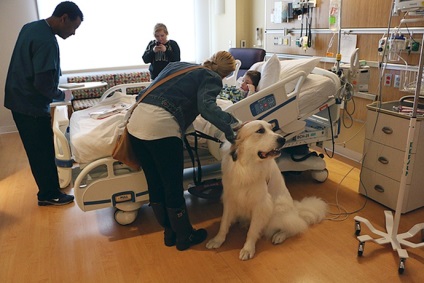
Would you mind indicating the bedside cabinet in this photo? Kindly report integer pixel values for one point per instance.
(384, 150)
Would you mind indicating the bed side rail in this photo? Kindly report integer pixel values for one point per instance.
(272, 102)
(122, 88)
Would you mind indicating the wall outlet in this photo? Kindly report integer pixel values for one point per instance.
(396, 82)
(387, 79)
(243, 43)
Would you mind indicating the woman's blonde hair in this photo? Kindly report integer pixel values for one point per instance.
(222, 62)
(159, 27)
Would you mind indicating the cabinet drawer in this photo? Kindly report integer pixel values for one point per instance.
(379, 188)
(385, 191)
(385, 160)
(390, 130)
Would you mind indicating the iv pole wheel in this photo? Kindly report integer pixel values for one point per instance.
(361, 248)
(357, 228)
(401, 265)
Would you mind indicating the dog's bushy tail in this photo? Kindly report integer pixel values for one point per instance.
(311, 209)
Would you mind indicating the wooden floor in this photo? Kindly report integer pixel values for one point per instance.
(65, 244)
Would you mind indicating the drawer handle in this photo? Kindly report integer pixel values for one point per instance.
(387, 130)
(383, 160)
(379, 188)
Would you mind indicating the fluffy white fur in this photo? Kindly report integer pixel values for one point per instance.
(255, 191)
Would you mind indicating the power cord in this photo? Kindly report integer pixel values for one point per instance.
(342, 213)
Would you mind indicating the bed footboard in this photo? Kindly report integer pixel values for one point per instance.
(62, 149)
(107, 183)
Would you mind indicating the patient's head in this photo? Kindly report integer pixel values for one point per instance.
(250, 78)
(222, 63)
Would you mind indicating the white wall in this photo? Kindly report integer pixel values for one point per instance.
(223, 27)
(13, 15)
(258, 21)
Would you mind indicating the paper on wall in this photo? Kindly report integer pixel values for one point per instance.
(278, 11)
(347, 46)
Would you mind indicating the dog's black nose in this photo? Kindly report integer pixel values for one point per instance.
(281, 141)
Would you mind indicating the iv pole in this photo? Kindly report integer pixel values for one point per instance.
(392, 224)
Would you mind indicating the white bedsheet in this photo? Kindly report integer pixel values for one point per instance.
(315, 91)
(91, 138)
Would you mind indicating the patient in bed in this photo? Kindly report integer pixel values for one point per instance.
(247, 86)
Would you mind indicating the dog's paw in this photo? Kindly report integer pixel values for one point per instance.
(214, 243)
(278, 238)
(246, 254)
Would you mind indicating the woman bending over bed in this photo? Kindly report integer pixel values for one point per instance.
(156, 127)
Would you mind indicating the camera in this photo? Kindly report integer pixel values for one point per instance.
(157, 43)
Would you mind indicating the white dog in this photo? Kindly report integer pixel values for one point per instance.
(255, 191)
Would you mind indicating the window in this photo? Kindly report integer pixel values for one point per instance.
(115, 33)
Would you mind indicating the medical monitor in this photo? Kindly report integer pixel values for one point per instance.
(408, 5)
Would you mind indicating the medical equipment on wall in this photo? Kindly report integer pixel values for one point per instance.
(391, 236)
(304, 11)
(408, 6)
(394, 44)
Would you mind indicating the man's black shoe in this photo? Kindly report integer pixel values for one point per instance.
(61, 200)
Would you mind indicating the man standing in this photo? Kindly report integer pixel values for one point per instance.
(31, 85)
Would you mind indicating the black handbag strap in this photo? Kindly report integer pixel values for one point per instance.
(192, 151)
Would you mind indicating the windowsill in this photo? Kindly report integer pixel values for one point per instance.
(104, 70)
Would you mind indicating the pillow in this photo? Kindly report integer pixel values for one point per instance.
(289, 67)
(257, 66)
(270, 72)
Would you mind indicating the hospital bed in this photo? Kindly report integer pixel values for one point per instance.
(308, 114)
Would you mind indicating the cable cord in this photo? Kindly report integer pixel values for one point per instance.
(309, 32)
(349, 114)
(353, 136)
(333, 141)
(342, 213)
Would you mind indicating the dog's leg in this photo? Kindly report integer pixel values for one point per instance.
(260, 218)
(226, 221)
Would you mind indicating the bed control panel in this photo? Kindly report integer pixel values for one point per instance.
(262, 105)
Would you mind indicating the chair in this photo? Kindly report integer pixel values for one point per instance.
(248, 57)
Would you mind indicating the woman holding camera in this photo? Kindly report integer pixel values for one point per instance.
(160, 51)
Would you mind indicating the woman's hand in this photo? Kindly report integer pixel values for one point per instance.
(158, 48)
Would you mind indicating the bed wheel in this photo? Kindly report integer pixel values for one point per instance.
(320, 175)
(125, 217)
